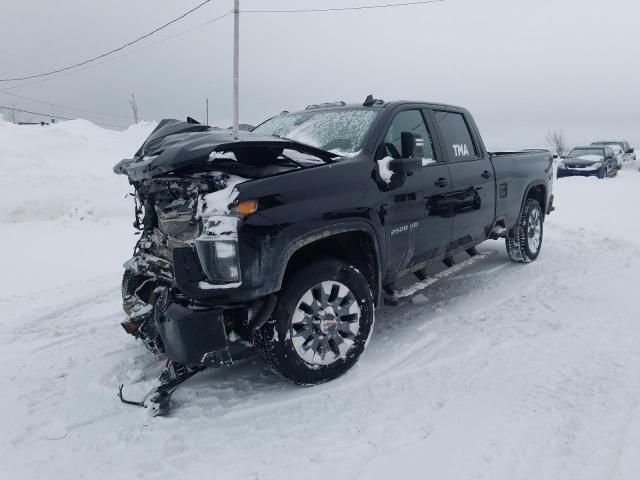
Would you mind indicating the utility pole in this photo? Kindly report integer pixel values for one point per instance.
(236, 65)
(207, 115)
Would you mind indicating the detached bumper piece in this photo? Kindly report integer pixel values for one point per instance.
(193, 337)
(159, 399)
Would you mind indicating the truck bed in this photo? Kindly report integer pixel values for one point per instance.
(514, 171)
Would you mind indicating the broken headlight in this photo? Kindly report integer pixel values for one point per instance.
(217, 249)
(219, 259)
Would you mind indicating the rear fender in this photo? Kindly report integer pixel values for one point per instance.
(530, 192)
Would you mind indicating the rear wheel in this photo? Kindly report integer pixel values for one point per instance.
(524, 242)
(321, 324)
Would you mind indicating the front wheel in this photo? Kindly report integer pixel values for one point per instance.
(524, 241)
(602, 173)
(321, 324)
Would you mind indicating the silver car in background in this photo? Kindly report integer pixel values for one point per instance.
(628, 152)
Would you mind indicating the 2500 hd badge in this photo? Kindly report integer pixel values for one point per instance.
(404, 228)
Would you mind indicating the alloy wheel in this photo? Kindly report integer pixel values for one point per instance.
(534, 233)
(325, 323)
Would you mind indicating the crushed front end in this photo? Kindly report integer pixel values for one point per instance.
(181, 230)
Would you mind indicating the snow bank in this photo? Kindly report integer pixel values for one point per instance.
(64, 170)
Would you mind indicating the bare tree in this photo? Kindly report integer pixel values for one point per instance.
(557, 141)
(134, 108)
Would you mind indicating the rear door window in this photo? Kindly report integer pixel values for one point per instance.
(458, 141)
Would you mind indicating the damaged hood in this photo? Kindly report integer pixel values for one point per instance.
(176, 145)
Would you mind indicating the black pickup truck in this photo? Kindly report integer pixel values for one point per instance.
(286, 238)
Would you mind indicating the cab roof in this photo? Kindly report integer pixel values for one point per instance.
(371, 102)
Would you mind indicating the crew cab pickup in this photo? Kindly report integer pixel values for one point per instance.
(288, 237)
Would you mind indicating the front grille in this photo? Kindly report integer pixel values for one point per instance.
(162, 245)
(170, 213)
(176, 227)
(178, 224)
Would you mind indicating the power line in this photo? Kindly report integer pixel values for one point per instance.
(84, 62)
(184, 32)
(65, 106)
(58, 116)
(342, 9)
(121, 55)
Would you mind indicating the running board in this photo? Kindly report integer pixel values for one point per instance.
(401, 296)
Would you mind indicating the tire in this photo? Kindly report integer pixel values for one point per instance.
(304, 318)
(602, 173)
(519, 245)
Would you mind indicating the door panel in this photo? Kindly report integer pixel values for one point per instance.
(473, 179)
(416, 214)
(437, 227)
(417, 217)
(473, 200)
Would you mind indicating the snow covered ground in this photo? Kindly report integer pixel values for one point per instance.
(503, 372)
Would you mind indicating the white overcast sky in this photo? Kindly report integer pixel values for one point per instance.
(521, 67)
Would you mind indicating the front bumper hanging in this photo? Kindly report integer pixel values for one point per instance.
(192, 337)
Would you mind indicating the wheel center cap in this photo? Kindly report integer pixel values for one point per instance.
(328, 323)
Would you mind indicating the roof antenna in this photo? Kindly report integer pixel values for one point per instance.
(369, 102)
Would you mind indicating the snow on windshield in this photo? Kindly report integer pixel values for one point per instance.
(591, 157)
(339, 131)
(587, 154)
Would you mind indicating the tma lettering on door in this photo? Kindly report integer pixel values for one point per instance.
(461, 150)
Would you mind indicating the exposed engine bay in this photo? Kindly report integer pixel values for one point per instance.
(168, 216)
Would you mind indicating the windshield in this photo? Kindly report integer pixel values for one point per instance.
(338, 131)
(587, 153)
(616, 149)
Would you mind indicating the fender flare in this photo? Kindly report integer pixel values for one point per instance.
(308, 238)
(527, 190)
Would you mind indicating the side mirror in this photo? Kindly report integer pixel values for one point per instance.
(631, 150)
(405, 166)
(555, 156)
(408, 144)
